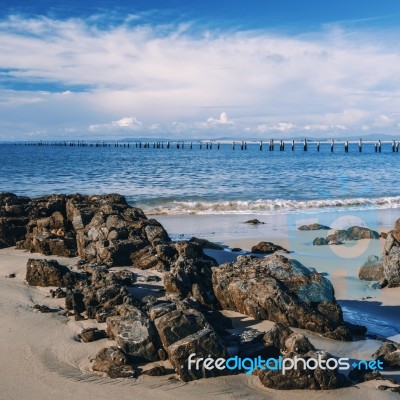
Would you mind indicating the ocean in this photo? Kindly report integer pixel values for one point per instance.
(201, 181)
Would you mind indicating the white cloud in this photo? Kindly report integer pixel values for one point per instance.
(265, 82)
(222, 120)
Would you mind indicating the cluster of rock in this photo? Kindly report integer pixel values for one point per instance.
(102, 229)
(346, 235)
(385, 270)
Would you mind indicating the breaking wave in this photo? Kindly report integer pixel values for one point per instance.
(266, 206)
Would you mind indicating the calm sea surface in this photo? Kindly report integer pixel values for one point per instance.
(175, 181)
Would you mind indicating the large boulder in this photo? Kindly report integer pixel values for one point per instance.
(389, 354)
(190, 276)
(372, 270)
(278, 289)
(391, 256)
(134, 333)
(46, 273)
(183, 332)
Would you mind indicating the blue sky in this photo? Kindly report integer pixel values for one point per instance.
(174, 68)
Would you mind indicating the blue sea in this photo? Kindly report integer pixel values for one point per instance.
(207, 181)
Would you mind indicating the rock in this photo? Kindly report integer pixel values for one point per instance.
(45, 273)
(113, 361)
(278, 289)
(393, 389)
(218, 321)
(58, 293)
(298, 343)
(313, 379)
(389, 354)
(161, 309)
(350, 234)
(42, 308)
(277, 335)
(320, 242)
(254, 222)
(341, 333)
(391, 257)
(158, 370)
(91, 335)
(134, 333)
(204, 343)
(183, 332)
(372, 270)
(363, 375)
(12, 275)
(191, 276)
(383, 235)
(236, 249)
(313, 227)
(267, 248)
(206, 244)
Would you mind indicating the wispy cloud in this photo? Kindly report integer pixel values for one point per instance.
(166, 79)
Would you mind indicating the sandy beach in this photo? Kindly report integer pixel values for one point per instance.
(42, 358)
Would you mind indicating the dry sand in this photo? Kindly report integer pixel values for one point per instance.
(40, 357)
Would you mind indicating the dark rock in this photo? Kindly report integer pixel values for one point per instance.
(42, 308)
(236, 249)
(278, 289)
(191, 276)
(372, 270)
(206, 244)
(254, 222)
(393, 389)
(313, 379)
(277, 335)
(218, 321)
(183, 332)
(161, 309)
(341, 333)
(383, 235)
(313, 227)
(12, 275)
(58, 293)
(134, 333)
(364, 375)
(389, 354)
(320, 242)
(45, 273)
(267, 248)
(91, 335)
(113, 361)
(158, 370)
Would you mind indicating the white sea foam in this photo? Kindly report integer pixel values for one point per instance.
(268, 206)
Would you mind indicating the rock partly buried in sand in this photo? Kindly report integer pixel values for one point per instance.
(278, 289)
(254, 222)
(267, 248)
(134, 333)
(290, 344)
(389, 354)
(191, 276)
(183, 332)
(206, 244)
(348, 235)
(372, 270)
(313, 227)
(91, 335)
(391, 256)
(113, 362)
(46, 273)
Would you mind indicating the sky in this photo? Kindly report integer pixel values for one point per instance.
(205, 69)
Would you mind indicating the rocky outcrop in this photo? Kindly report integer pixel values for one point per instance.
(391, 256)
(348, 235)
(102, 229)
(372, 270)
(46, 273)
(267, 248)
(254, 222)
(278, 289)
(288, 345)
(190, 276)
(313, 227)
(114, 363)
